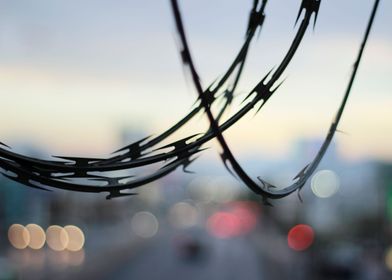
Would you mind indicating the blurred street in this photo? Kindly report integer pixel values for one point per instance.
(216, 259)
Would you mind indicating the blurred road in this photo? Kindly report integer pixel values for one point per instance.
(166, 258)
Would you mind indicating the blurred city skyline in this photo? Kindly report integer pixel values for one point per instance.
(74, 75)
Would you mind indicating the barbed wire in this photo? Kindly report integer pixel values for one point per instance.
(66, 172)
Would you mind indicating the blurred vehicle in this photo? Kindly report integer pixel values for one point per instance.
(190, 246)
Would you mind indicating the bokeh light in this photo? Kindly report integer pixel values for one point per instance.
(325, 183)
(388, 258)
(144, 224)
(18, 236)
(212, 189)
(224, 225)
(300, 237)
(37, 236)
(183, 215)
(76, 238)
(247, 212)
(57, 238)
(239, 218)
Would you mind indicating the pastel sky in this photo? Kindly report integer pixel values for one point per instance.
(74, 74)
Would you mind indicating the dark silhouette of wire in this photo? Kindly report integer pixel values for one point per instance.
(61, 173)
(267, 190)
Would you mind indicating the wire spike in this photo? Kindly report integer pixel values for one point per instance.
(110, 180)
(179, 143)
(133, 146)
(267, 203)
(310, 6)
(316, 11)
(247, 97)
(186, 164)
(299, 196)
(5, 145)
(117, 193)
(341, 131)
(278, 86)
(266, 185)
(79, 161)
(266, 76)
(301, 173)
(224, 160)
(258, 109)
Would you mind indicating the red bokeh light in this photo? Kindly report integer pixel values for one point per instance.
(240, 218)
(224, 225)
(247, 215)
(300, 237)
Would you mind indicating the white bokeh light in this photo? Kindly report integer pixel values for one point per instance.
(144, 224)
(325, 183)
(183, 215)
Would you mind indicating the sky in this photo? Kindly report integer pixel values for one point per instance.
(74, 74)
